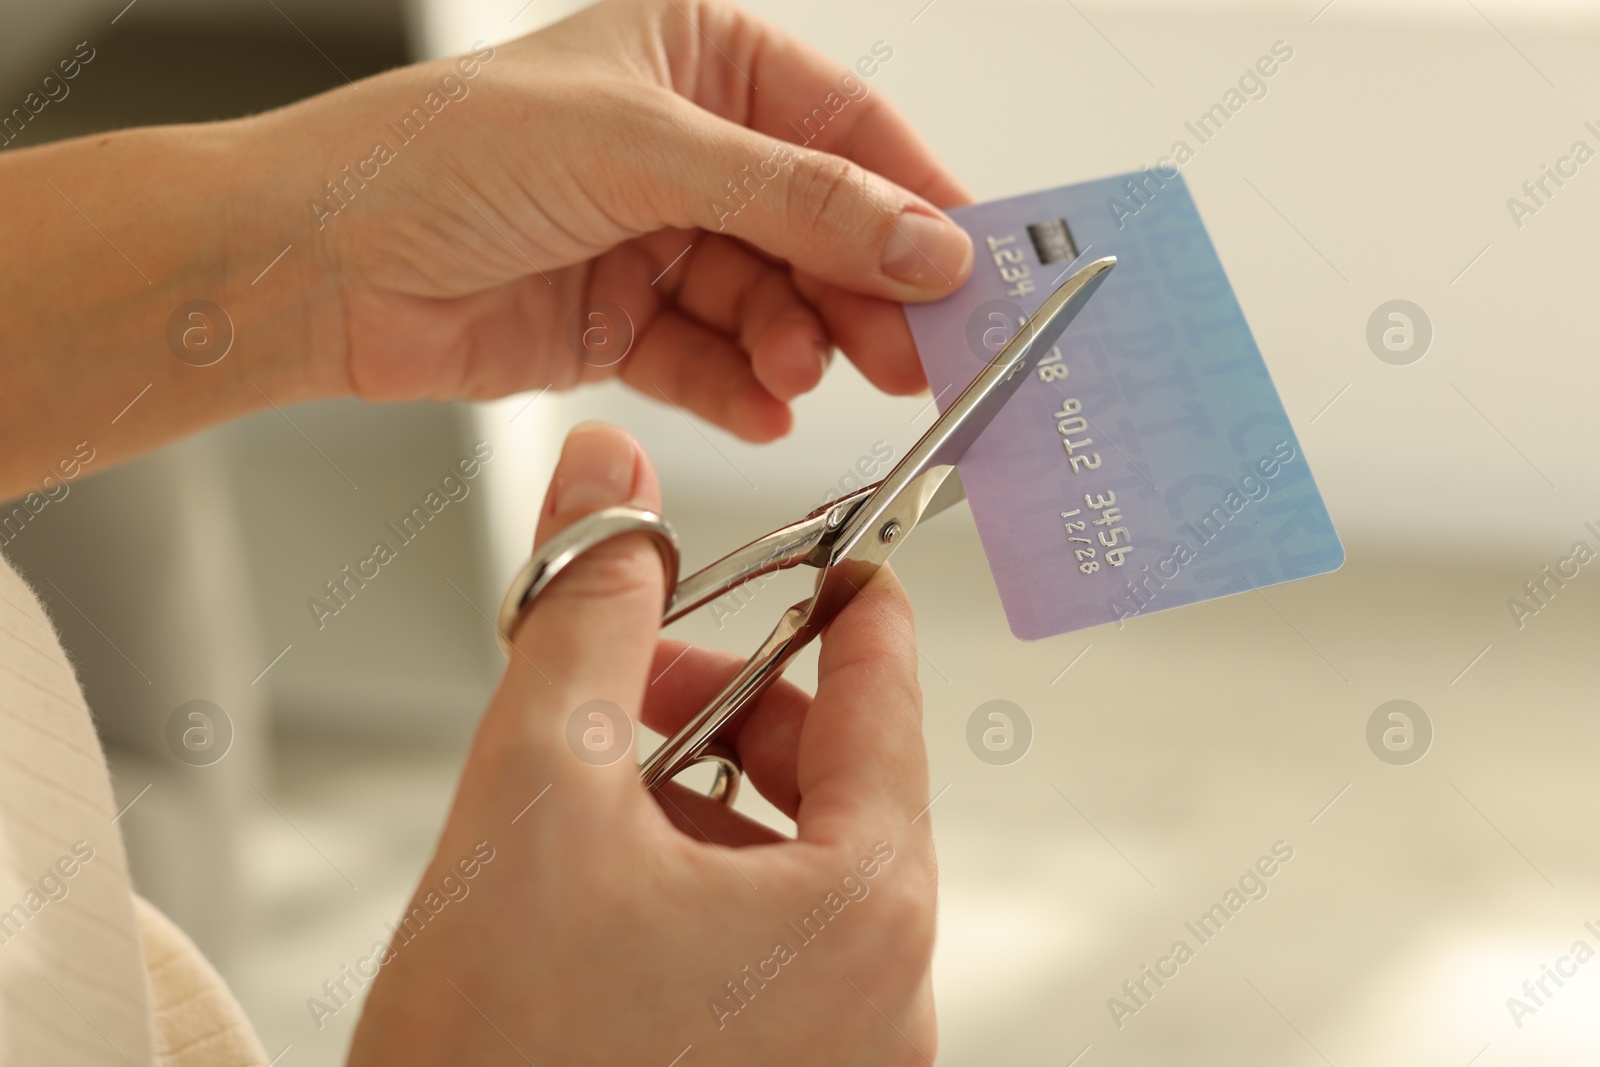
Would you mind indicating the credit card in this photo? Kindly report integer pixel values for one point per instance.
(1148, 462)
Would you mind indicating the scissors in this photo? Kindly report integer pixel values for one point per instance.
(846, 541)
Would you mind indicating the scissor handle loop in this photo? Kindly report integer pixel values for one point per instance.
(556, 554)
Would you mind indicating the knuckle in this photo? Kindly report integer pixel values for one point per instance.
(819, 193)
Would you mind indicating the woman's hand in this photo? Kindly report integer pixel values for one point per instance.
(629, 173)
(627, 181)
(570, 917)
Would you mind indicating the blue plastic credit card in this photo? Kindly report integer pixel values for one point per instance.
(1148, 462)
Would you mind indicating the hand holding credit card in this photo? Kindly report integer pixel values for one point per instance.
(1115, 429)
(1148, 462)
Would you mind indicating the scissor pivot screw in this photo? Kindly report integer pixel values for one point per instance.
(890, 531)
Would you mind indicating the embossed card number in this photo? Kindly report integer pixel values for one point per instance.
(1148, 462)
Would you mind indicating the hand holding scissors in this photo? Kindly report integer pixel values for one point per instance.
(611, 928)
(847, 541)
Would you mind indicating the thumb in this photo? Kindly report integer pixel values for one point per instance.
(823, 213)
(583, 649)
(862, 764)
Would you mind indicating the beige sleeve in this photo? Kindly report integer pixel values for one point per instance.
(197, 1021)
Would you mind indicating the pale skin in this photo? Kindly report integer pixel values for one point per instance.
(575, 166)
(583, 161)
(606, 927)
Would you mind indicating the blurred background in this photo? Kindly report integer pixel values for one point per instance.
(1167, 756)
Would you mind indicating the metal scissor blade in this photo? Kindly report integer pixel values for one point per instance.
(971, 412)
(903, 498)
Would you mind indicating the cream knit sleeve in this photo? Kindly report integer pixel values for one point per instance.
(83, 981)
(196, 1020)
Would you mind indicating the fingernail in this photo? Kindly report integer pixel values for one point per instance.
(596, 469)
(824, 354)
(926, 250)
